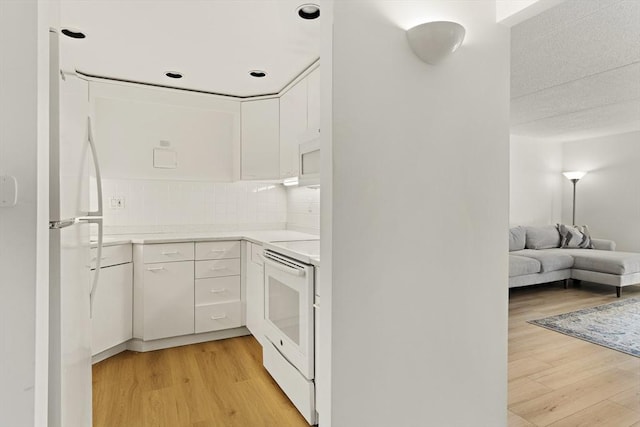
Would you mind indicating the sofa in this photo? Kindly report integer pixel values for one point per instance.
(537, 255)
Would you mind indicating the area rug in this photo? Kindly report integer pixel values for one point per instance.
(615, 325)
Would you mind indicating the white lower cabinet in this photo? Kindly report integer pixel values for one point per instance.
(255, 291)
(218, 295)
(112, 314)
(200, 291)
(167, 306)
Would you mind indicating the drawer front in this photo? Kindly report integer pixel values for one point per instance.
(112, 255)
(215, 317)
(215, 290)
(256, 254)
(217, 268)
(167, 252)
(217, 250)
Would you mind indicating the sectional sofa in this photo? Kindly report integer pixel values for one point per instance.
(535, 256)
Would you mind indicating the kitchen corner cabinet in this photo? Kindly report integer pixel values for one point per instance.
(255, 291)
(299, 120)
(260, 142)
(111, 320)
(313, 101)
(293, 123)
(163, 290)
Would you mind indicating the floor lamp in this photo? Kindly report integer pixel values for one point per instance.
(574, 177)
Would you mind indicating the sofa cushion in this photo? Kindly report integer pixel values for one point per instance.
(517, 238)
(610, 262)
(549, 261)
(574, 236)
(544, 237)
(519, 266)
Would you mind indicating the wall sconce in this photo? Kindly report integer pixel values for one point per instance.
(433, 41)
(574, 177)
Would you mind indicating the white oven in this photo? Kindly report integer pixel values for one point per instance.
(289, 328)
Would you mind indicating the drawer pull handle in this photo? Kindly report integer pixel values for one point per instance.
(170, 253)
(316, 306)
(224, 316)
(102, 258)
(155, 268)
(218, 268)
(218, 291)
(217, 251)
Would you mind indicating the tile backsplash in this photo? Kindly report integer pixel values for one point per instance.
(152, 206)
(303, 209)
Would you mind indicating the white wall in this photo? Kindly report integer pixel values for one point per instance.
(607, 198)
(23, 229)
(129, 122)
(303, 209)
(419, 213)
(156, 206)
(536, 181)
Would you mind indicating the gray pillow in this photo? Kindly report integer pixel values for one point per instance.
(517, 238)
(544, 237)
(575, 236)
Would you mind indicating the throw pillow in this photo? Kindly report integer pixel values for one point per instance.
(517, 238)
(544, 237)
(575, 236)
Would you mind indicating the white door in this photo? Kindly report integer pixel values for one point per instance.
(70, 281)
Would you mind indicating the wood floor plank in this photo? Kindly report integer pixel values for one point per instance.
(514, 420)
(605, 414)
(584, 378)
(213, 384)
(630, 399)
(525, 389)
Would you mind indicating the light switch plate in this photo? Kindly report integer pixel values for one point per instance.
(8, 191)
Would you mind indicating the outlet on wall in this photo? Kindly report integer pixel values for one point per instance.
(116, 202)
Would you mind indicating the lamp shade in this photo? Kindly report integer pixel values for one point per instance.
(433, 41)
(577, 175)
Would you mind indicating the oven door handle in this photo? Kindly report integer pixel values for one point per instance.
(285, 268)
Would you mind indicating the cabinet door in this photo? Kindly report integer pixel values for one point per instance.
(168, 300)
(313, 101)
(112, 320)
(261, 139)
(255, 297)
(293, 123)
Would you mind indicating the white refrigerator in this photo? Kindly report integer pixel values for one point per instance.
(73, 160)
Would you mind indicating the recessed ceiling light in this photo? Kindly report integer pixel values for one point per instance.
(257, 73)
(309, 11)
(173, 74)
(74, 34)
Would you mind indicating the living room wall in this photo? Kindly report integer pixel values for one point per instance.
(607, 197)
(536, 181)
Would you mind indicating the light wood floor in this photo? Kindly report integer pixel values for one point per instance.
(214, 384)
(556, 380)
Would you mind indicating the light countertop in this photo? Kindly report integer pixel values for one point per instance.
(256, 236)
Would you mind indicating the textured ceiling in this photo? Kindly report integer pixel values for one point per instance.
(214, 43)
(575, 71)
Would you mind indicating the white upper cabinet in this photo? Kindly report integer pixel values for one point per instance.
(260, 139)
(313, 101)
(293, 123)
(299, 119)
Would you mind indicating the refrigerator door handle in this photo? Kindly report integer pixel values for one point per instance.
(96, 165)
(63, 223)
(96, 274)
